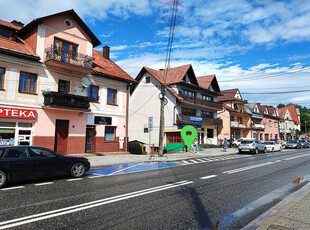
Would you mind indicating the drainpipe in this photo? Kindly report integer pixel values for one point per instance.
(127, 115)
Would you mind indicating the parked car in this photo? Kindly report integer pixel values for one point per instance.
(304, 143)
(293, 144)
(237, 142)
(252, 146)
(272, 146)
(19, 163)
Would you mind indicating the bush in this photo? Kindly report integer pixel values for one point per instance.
(135, 149)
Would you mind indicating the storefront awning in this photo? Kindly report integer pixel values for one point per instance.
(172, 130)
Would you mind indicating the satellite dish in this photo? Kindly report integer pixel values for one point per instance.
(85, 82)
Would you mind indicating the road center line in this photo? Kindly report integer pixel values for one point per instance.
(248, 167)
(46, 183)
(93, 204)
(207, 177)
(291, 158)
(75, 179)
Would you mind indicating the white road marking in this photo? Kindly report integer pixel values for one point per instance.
(291, 158)
(11, 188)
(46, 183)
(75, 179)
(207, 177)
(248, 167)
(201, 160)
(76, 208)
(96, 176)
(194, 161)
(185, 162)
(125, 169)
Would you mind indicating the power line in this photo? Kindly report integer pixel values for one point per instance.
(283, 92)
(267, 75)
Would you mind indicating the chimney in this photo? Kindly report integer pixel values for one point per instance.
(106, 52)
(17, 23)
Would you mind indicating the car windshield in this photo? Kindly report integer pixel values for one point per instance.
(246, 142)
(268, 143)
(302, 140)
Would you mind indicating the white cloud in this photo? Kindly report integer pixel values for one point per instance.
(120, 47)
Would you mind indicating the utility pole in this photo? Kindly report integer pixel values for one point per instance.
(162, 95)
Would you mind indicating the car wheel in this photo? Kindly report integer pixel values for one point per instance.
(256, 151)
(240, 151)
(265, 150)
(3, 178)
(280, 150)
(272, 150)
(77, 170)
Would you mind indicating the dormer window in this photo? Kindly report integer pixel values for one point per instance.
(65, 50)
(5, 34)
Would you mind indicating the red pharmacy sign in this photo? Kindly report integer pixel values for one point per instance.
(17, 113)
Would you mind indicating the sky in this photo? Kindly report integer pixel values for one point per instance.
(258, 46)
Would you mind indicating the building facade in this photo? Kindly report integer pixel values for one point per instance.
(57, 92)
(289, 122)
(191, 100)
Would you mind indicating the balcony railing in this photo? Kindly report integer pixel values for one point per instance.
(194, 120)
(68, 57)
(198, 101)
(66, 101)
(236, 124)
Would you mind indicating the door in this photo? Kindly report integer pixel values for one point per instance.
(61, 136)
(90, 139)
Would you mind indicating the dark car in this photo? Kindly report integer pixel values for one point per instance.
(19, 163)
(304, 143)
(293, 144)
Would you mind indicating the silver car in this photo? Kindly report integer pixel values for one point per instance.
(252, 146)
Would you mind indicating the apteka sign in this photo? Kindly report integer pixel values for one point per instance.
(18, 113)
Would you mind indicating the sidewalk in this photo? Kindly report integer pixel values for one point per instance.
(96, 160)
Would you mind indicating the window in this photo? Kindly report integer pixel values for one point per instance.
(109, 133)
(188, 112)
(112, 97)
(93, 93)
(5, 34)
(2, 78)
(187, 93)
(16, 153)
(275, 124)
(207, 114)
(63, 86)
(206, 98)
(174, 137)
(42, 153)
(236, 106)
(27, 83)
(270, 123)
(239, 119)
(147, 79)
(210, 133)
(65, 50)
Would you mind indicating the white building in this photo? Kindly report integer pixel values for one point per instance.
(190, 101)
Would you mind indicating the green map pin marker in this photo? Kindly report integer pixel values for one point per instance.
(188, 139)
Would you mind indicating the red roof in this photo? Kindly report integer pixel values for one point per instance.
(282, 112)
(293, 113)
(229, 95)
(108, 68)
(175, 75)
(18, 46)
(10, 25)
(205, 81)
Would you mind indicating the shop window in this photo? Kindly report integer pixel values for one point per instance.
(66, 50)
(112, 97)
(2, 71)
(64, 86)
(173, 137)
(109, 133)
(93, 93)
(27, 83)
(210, 133)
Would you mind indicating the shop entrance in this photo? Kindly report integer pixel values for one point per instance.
(90, 138)
(61, 136)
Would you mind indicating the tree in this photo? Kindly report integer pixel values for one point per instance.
(281, 105)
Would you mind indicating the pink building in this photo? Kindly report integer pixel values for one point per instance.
(56, 91)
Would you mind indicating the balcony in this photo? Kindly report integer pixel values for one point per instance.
(60, 100)
(236, 124)
(197, 101)
(193, 120)
(68, 60)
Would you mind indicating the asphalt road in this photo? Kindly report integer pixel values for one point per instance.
(226, 194)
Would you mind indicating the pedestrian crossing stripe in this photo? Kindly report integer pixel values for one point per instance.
(211, 159)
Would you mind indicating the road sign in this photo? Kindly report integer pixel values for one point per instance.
(150, 124)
